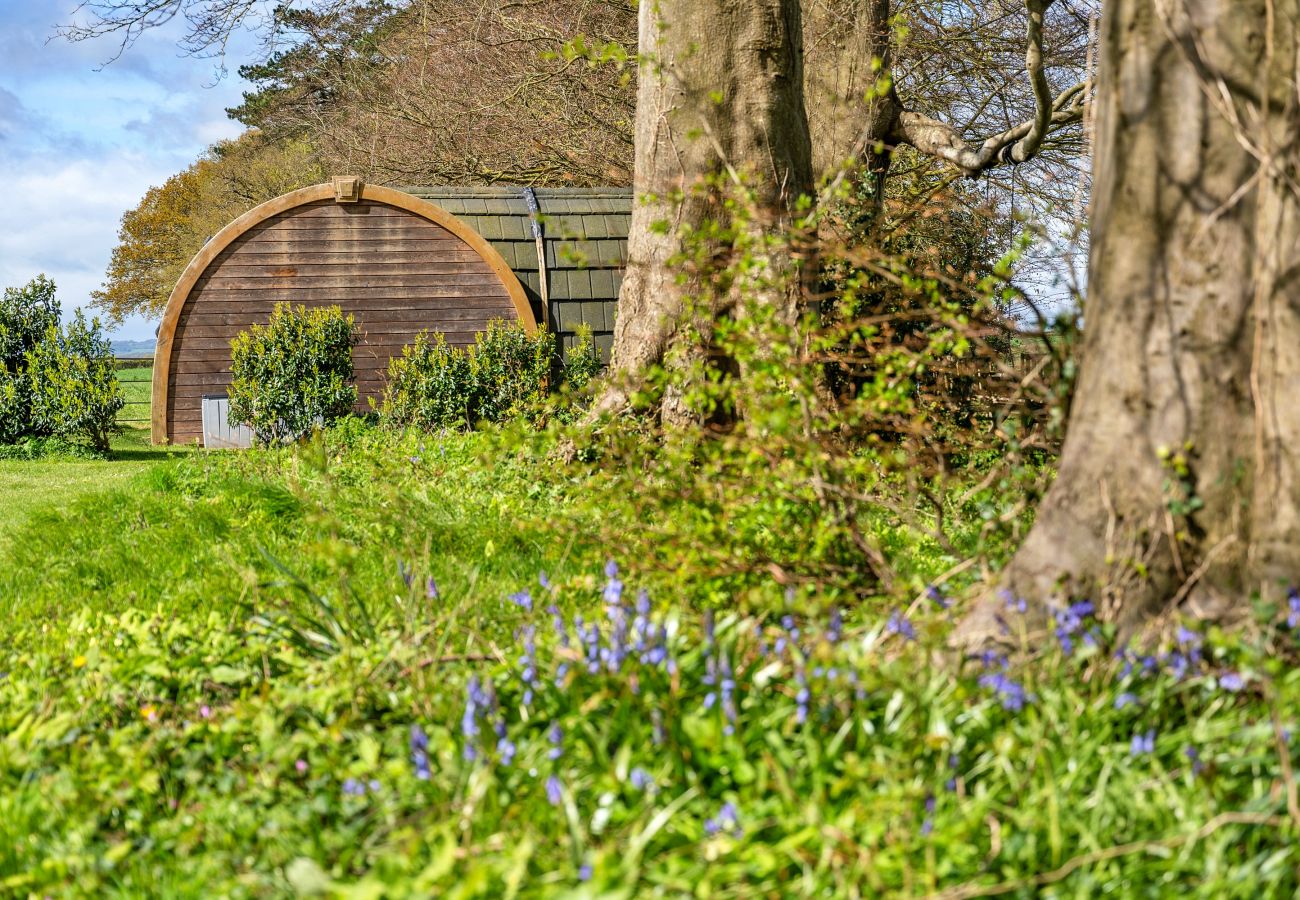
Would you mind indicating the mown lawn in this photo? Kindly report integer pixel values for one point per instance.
(233, 677)
(27, 486)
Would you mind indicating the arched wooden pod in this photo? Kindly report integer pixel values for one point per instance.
(399, 264)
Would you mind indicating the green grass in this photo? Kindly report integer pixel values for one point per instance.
(213, 678)
(29, 486)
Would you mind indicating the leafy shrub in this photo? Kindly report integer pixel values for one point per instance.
(430, 385)
(505, 375)
(26, 313)
(54, 382)
(512, 369)
(294, 373)
(582, 364)
(74, 386)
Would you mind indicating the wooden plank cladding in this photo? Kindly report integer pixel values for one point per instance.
(397, 263)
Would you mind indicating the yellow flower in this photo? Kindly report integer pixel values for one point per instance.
(149, 712)
(79, 662)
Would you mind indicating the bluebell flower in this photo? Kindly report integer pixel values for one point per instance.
(1012, 602)
(561, 632)
(544, 581)
(523, 599)
(528, 663)
(802, 697)
(374, 785)
(1069, 622)
(1194, 757)
(790, 626)
(1293, 608)
(899, 625)
(556, 736)
(1178, 665)
(1232, 681)
(641, 780)
(727, 691)
(353, 787)
(835, 631)
(431, 588)
(420, 753)
(927, 826)
(935, 596)
(408, 574)
(584, 872)
(1125, 699)
(1142, 743)
(726, 821)
(1009, 692)
(554, 791)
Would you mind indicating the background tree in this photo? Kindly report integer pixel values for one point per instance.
(160, 236)
(1178, 480)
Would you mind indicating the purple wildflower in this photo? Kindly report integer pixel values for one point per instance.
(1293, 608)
(836, 629)
(1232, 681)
(927, 826)
(802, 697)
(408, 574)
(727, 820)
(1194, 757)
(1127, 698)
(354, 788)
(935, 596)
(505, 747)
(556, 736)
(528, 662)
(1142, 743)
(727, 690)
(641, 780)
(420, 753)
(1070, 621)
(301, 765)
(544, 581)
(374, 785)
(431, 588)
(1011, 693)
(899, 625)
(554, 791)
(523, 599)
(584, 872)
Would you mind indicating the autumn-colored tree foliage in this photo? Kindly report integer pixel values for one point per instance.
(160, 236)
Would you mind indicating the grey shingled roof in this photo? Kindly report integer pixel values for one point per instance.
(585, 234)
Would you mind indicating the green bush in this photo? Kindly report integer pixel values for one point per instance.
(294, 373)
(74, 386)
(582, 364)
(431, 385)
(54, 382)
(26, 313)
(512, 369)
(505, 375)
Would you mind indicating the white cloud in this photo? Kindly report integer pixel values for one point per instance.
(81, 143)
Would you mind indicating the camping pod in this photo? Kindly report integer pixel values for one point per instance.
(401, 261)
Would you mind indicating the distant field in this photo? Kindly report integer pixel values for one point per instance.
(137, 383)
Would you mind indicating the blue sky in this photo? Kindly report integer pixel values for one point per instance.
(81, 142)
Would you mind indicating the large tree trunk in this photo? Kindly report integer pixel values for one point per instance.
(1177, 484)
(852, 105)
(720, 96)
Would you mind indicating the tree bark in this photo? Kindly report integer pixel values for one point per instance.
(719, 99)
(1177, 484)
(852, 104)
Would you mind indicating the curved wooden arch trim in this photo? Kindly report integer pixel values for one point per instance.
(225, 237)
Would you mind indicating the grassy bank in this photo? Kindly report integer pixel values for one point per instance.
(236, 679)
